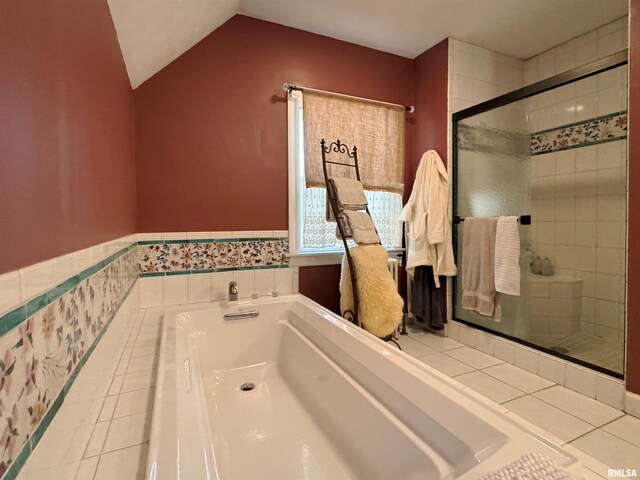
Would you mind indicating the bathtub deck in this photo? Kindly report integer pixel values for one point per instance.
(267, 426)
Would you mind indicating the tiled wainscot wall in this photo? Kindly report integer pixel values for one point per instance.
(192, 267)
(52, 316)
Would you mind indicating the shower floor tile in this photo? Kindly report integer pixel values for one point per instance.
(597, 351)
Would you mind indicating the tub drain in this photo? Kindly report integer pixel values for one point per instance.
(247, 387)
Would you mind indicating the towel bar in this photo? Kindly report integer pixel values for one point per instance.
(523, 219)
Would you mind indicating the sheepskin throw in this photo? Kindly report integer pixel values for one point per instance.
(380, 307)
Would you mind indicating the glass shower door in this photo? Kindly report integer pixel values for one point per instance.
(559, 156)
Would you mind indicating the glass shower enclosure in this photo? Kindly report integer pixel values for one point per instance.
(554, 151)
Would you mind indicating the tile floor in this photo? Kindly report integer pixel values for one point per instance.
(102, 430)
(602, 436)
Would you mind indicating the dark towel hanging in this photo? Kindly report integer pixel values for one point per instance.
(427, 301)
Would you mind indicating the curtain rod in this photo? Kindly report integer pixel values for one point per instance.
(287, 87)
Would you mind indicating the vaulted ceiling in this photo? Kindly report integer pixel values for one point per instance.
(153, 33)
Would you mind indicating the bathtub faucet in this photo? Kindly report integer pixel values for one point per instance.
(233, 291)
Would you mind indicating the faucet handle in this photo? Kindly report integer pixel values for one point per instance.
(233, 287)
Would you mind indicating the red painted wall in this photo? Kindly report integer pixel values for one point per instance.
(211, 128)
(67, 167)
(633, 288)
(431, 83)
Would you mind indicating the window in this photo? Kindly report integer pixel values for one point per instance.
(309, 231)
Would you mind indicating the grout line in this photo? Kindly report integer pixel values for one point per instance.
(582, 435)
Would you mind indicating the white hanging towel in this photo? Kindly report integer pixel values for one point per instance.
(428, 235)
(507, 256)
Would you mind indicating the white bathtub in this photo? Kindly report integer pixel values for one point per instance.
(330, 402)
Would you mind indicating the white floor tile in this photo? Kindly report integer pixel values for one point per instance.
(149, 347)
(534, 428)
(446, 364)
(609, 449)
(126, 464)
(116, 385)
(87, 468)
(143, 363)
(473, 357)
(97, 440)
(414, 348)
(77, 444)
(627, 428)
(59, 472)
(578, 405)
(437, 342)
(107, 408)
(138, 401)
(518, 378)
(127, 432)
(488, 386)
(588, 461)
(590, 475)
(138, 381)
(555, 421)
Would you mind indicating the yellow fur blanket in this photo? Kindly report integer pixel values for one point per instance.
(380, 307)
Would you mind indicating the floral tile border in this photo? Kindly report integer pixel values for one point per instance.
(43, 349)
(596, 130)
(173, 257)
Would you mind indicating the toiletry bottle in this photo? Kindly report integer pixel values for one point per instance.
(546, 268)
(536, 266)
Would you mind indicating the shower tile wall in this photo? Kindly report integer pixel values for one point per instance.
(477, 74)
(578, 196)
(599, 43)
(578, 200)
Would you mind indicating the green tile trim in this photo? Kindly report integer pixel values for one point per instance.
(18, 315)
(13, 318)
(30, 445)
(581, 122)
(581, 145)
(213, 240)
(178, 272)
(151, 274)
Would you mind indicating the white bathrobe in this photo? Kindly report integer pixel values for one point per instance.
(428, 235)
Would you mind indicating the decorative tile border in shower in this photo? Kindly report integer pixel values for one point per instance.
(581, 134)
(176, 257)
(44, 343)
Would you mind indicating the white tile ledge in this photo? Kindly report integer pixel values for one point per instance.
(310, 259)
